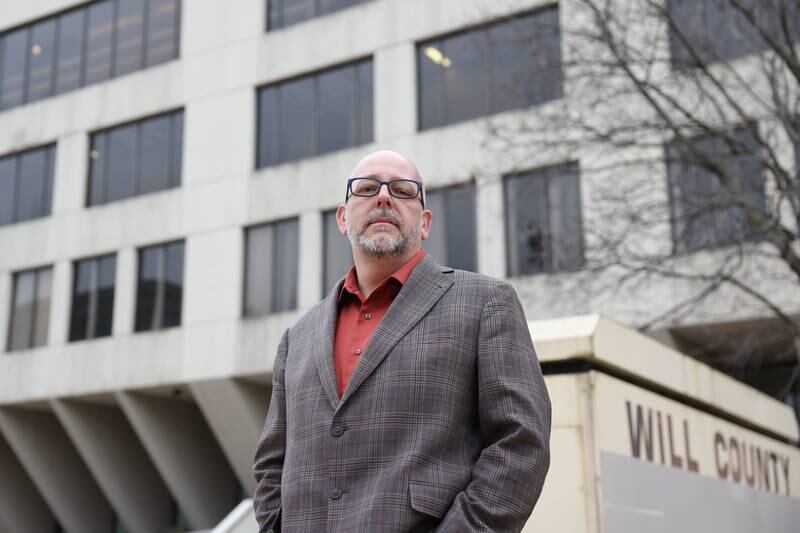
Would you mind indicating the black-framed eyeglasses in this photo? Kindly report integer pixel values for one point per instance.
(404, 189)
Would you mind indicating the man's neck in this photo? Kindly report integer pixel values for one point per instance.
(371, 271)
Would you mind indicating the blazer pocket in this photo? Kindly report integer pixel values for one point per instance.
(429, 499)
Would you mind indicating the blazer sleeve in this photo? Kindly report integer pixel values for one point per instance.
(514, 417)
(268, 465)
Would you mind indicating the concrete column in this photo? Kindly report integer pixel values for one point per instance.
(489, 222)
(186, 455)
(235, 410)
(60, 303)
(310, 260)
(21, 506)
(55, 467)
(120, 464)
(71, 178)
(213, 276)
(395, 92)
(125, 292)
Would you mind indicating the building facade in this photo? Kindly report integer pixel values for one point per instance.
(168, 175)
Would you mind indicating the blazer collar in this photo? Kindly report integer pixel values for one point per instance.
(426, 285)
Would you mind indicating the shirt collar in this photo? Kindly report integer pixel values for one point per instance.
(400, 275)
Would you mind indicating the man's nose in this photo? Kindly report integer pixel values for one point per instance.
(384, 197)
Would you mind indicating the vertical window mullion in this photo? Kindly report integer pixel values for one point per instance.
(91, 311)
(34, 310)
(137, 164)
(158, 301)
(17, 188)
(84, 56)
(113, 45)
(315, 116)
(276, 126)
(145, 31)
(27, 73)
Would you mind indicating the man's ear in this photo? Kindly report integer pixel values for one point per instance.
(427, 219)
(341, 218)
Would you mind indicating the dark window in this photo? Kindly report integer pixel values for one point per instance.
(507, 65)
(271, 268)
(452, 237)
(706, 212)
(282, 13)
(99, 39)
(14, 64)
(93, 298)
(86, 45)
(42, 54)
(159, 292)
(337, 253)
(30, 309)
(705, 31)
(544, 229)
(26, 185)
(70, 51)
(162, 31)
(136, 158)
(129, 30)
(315, 114)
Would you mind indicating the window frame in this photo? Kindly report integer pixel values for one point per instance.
(246, 233)
(37, 271)
(681, 245)
(161, 283)
(55, 17)
(544, 172)
(484, 27)
(175, 156)
(93, 294)
(270, 26)
(275, 157)
(472, 187)
(50, 155)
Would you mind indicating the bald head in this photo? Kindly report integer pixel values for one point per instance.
(386, 162)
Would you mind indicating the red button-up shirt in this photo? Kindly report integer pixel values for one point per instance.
(359, 317)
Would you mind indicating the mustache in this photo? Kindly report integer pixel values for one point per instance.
(375, 214)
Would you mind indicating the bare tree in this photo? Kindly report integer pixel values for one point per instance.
(685, 118)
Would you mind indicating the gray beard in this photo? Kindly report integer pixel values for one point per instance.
(382, 247)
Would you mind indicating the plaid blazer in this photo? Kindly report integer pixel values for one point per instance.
(444, 425)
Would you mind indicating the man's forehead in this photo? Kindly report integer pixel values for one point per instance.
(386, 165)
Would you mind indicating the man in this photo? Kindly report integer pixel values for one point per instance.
(410, 399)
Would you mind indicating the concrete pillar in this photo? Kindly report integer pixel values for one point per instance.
(60, 303)
(70, 180)
(235, 410)
(125, 292)
(310, 260)
(489, 223)
(55, 467)
(21, 506)
(120, 464)
(395, 92)
(185, 453)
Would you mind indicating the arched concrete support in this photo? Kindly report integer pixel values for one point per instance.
(186, 455)
(55, 467)
(119, 463)
(22, 508)
(235, 410)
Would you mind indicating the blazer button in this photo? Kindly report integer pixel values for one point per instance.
(337, 430)
(335, 494)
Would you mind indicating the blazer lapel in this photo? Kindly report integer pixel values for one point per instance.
(422, 290)
(326, 330)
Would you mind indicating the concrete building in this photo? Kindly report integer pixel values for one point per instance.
(167, 173)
